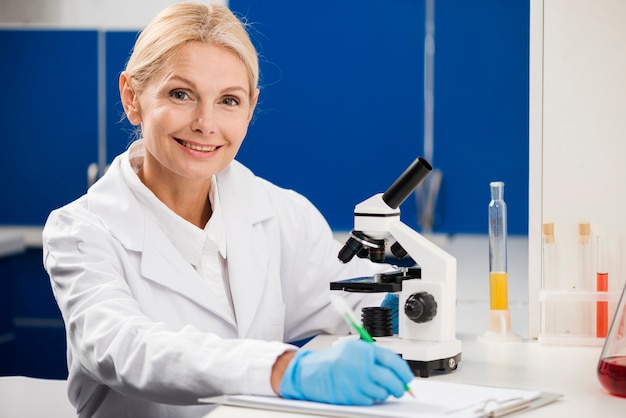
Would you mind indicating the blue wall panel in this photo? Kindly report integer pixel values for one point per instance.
(341, 114)
(49, 120)
(481, 110)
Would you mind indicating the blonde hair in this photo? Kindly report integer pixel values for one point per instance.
(182, 23)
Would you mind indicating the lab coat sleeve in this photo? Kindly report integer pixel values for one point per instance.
(309, 264)
(114, 344)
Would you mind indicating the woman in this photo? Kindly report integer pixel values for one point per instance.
(180, 274)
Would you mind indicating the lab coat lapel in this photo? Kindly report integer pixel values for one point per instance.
(137, 231)
(162, 263)
(247, 269)
(245, 208)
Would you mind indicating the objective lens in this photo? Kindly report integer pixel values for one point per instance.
(398, 251)
(364, 247)
(349, 250)
(377, 255)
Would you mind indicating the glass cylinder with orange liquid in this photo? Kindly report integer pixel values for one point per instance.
(499, 327)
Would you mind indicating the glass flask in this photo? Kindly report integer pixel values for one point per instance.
(612, 364)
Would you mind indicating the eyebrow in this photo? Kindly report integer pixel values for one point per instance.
(176, 77)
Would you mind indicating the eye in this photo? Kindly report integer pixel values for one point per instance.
(179, 94)
(231, 101)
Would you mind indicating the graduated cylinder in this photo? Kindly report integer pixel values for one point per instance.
(498, 276)
(499, 322)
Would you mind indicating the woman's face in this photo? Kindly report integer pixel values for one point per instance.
(195, 113)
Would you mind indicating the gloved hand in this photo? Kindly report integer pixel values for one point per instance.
(353, 372)
(391, 301)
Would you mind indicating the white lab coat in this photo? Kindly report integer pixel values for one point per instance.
(144, 333)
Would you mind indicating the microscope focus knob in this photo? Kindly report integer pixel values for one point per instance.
(420, 307)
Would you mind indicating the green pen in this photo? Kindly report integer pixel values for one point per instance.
(348, 314)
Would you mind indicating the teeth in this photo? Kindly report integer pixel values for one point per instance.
(197, 147)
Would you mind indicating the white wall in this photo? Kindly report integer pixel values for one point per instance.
(102, 14)
(577, 134)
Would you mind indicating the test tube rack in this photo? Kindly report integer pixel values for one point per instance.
(573, 309)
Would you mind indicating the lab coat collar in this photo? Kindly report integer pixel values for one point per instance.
(186, 237)
(111, 199)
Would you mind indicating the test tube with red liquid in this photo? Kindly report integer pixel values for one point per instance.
(602, 285)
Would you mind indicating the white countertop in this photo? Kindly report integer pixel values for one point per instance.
(27, 397)
(569, 371)
(11, 243)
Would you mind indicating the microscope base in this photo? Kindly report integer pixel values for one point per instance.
(424, 368)
(424, 357)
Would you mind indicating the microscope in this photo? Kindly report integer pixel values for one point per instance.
(427, 291)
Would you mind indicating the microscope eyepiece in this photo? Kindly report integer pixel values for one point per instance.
(407, 182)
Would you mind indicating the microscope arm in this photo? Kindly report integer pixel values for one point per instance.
(435, 263)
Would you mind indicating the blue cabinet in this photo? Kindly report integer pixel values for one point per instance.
(7, 336)
(49, 120)
(30, 319)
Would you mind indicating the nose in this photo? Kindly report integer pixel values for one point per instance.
(203, 119)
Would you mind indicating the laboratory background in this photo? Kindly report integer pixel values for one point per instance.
(529, 93)
(341, 115)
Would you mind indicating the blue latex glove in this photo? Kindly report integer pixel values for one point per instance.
(353, 372)
(391, 302)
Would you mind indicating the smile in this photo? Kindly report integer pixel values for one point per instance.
(203, 148)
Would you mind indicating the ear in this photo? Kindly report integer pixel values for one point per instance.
(130, 100)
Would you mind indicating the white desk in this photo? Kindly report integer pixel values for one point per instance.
(11, 243)
(27, 397)
(570, 371)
